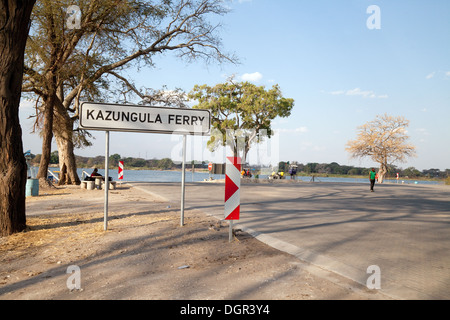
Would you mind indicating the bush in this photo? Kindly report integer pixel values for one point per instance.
(165, 164)
(447, 181)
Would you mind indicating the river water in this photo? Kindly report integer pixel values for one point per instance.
(175, 176)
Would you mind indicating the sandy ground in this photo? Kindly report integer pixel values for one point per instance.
(146, 254)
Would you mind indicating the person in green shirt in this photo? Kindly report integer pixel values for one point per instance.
(372, 176)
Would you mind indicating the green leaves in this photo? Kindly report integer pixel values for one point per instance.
(241, 111)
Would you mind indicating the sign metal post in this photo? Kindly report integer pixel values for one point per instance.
(105, 219)
(183, 180)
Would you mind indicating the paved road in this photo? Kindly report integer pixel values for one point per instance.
(344, 228)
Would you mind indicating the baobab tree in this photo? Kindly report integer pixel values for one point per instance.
(384, 140)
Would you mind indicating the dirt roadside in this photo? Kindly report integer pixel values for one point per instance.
(146, 255)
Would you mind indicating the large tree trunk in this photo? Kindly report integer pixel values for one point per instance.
(49, 104)
(64, 140)
(47, 136)
(245, 154)
(382, 172)
(67, 163)
(14, 27)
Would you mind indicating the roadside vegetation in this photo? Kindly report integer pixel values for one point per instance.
(336, 170)
(317, 169)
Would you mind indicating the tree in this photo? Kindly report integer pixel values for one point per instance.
(433, 173)
(311, 167)
(114, 160)
(138, 163)
(65, 64)
(384, 140)
(354, 171)
(335, 168)
(165, 164)
(411, 172)
(241, 113)
(54, 159)
(282, 166)
(14, 27)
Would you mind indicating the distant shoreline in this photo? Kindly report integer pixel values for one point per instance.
(316, 175)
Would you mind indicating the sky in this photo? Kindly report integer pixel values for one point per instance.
(341, 62)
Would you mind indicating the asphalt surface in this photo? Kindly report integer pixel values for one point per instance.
(403, 230)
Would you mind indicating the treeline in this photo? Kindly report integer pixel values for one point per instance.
(323, 168)
(309, 168)
(335, 168)
(129, 162)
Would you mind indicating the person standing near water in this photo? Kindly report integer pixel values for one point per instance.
(372, 177)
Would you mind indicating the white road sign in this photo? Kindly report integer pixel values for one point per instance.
(115, 117)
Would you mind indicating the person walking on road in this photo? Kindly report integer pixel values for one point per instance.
(372, 177)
